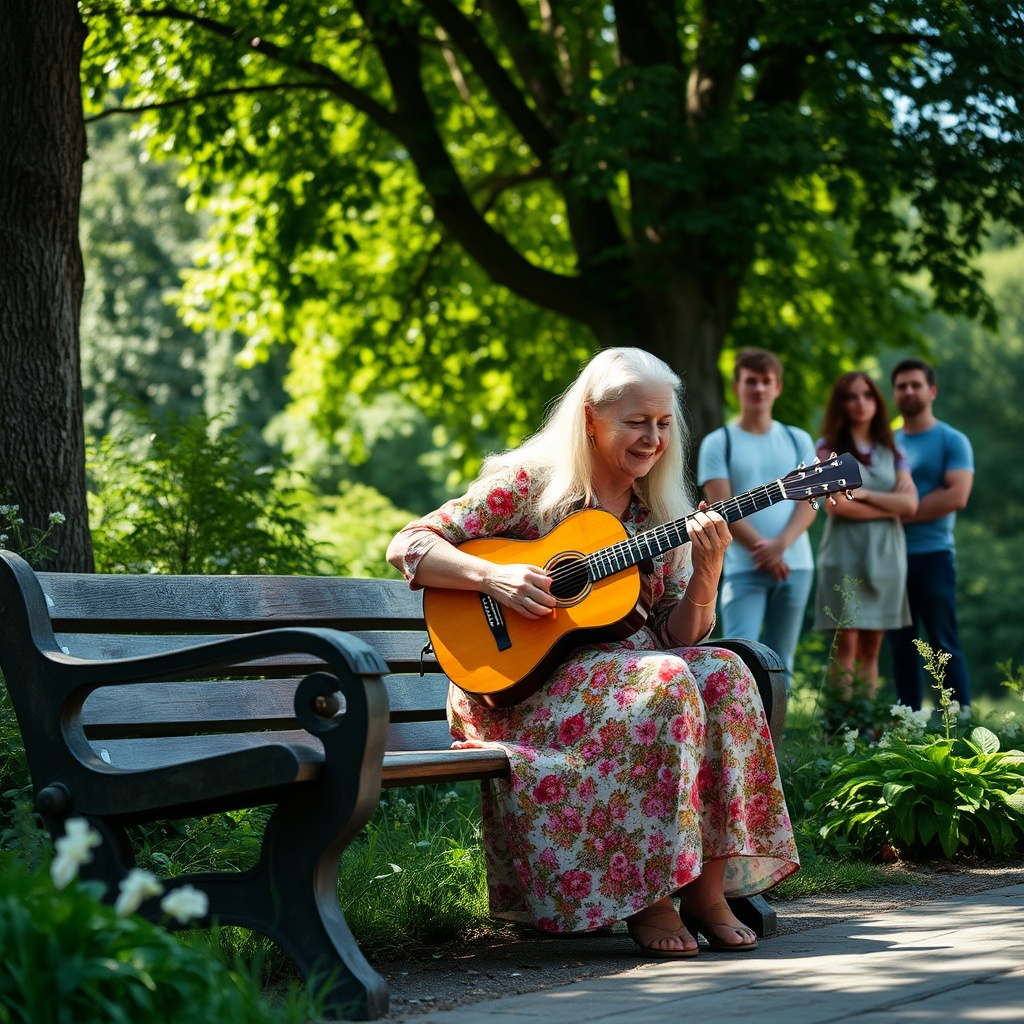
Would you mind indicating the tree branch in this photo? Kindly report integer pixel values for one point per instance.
(185, 100)
(397, 45)
(647, 32)
(463, 34)
(329, 79)
(541, 80)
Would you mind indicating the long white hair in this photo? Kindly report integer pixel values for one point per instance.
(559, 457)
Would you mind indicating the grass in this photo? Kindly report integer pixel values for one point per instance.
(826, 876)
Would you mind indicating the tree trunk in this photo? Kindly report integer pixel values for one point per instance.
(683, 317)
(42, 150)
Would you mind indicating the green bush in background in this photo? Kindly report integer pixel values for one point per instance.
(186, 498)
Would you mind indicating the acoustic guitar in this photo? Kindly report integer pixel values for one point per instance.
(500, 658)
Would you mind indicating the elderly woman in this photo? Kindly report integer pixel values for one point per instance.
(642, 768)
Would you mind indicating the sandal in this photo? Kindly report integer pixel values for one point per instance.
(715, 918)
(655, 923)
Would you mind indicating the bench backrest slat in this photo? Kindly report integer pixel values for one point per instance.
(110, 616)
(230, 604)
(156, 752)
(167, 708)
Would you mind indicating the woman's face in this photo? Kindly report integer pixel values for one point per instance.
(630, 435)
(859, 402)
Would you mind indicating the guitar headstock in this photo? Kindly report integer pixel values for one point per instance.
(828, 477)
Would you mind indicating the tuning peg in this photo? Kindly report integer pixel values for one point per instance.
(832, 500)
(814, 503)
(849, 495)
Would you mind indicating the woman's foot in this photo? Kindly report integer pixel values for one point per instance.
(725, 933)
(659, 932)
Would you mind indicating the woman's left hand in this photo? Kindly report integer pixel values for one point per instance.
(709, 537)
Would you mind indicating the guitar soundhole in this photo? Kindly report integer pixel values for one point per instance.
(569, 580)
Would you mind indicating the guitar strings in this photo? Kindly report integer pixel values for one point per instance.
(667, 536)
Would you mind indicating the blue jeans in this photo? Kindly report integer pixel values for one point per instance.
(755, 602)
(931, 587)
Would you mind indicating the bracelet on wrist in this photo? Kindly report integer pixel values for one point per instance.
(697, 604)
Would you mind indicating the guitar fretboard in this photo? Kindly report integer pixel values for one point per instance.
(650, 543)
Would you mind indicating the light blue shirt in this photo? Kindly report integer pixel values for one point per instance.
(932, 454)
(755, 460)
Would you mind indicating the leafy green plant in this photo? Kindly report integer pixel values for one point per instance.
(69, 957)
(923, 799)
(939, 795)
(187, 499)
(417, 873)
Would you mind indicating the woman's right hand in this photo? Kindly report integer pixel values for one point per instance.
(524, 588)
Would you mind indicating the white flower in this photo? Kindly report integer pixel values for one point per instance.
(185, 904)
(134, 888)
(848, 738)
(57, 517)
(74, 849)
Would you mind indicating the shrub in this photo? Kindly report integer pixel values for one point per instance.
(187, 499)
(929, 798)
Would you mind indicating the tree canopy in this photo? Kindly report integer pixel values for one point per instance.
(462, 199)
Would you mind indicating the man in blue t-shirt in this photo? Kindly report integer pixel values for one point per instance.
(942, 464)
(767, 575)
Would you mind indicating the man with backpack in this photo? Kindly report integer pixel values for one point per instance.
(768, 572)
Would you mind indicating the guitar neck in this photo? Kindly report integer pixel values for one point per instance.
(651, 543)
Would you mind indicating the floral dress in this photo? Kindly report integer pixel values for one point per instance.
(633, 765)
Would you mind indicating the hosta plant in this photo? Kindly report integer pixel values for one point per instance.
(927, 799)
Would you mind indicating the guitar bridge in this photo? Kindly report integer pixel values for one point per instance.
(496, 622)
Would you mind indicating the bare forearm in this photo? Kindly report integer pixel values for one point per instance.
(892, 503)
(691, 619)
(935, 505)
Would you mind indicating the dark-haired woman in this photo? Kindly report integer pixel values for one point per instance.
(862, 559)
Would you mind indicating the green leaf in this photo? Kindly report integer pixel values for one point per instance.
(949, 829)
(985, 740)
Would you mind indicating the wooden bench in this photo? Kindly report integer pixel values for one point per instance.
(154, 698)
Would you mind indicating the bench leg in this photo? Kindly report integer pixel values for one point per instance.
(756, 913)
(291, 896)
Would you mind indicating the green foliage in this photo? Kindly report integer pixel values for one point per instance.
(823, 875)
(138, 235)
(393, 203)
(923, 799)
(31, 542)
(981, 369)
(353, 529)
(186, 500)
(67, 957)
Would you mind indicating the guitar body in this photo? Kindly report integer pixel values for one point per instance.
(498, 656)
